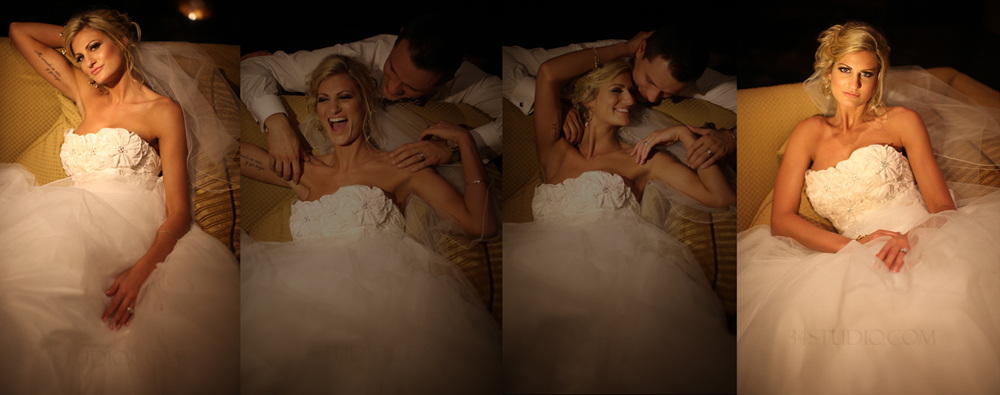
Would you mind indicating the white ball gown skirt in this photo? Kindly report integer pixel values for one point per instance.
(361, 310)
(597, 300)
(61, 247)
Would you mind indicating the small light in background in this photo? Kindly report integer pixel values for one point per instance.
(195, 10)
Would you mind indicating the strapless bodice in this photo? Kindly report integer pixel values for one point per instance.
(111, 153)
(591, 193)
(350, 212)
(872, 178)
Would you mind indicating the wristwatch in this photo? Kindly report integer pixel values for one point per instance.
(456, 154)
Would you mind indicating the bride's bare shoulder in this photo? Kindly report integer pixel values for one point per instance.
(812, 124)
(902, 115)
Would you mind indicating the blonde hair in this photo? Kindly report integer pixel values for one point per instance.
(585, 87)
(360, 75)
(119, 28)
(841, 40)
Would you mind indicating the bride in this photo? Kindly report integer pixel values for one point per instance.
(352, 304)
(597, 299)
(105, 284)
(905, 298)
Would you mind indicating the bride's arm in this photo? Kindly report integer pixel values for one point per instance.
(36, 42)
(254, 165)
(913, 135)
(707, 185)
(474, 210)
(785, 219)
(169, 131)
(548, 113)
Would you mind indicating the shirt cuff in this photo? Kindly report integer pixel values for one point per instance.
(266, 106)
(524, 95)
(487, 141)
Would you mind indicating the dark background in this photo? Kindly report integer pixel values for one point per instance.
(548, 26)
(160, 20)
(778, 42)
(764, 43)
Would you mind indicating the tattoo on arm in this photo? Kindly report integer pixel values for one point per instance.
(555, 131)
(50, 69)
(252, 162)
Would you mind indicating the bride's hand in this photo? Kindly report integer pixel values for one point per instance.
(424, 152)
(666, 136)
(125, 290)
(894, 251)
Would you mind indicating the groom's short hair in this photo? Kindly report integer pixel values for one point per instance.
(434, 45)
(684, 48)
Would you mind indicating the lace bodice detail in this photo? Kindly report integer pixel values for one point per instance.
(111, 153)
(873, 177)
(592, 192)
(349, 213)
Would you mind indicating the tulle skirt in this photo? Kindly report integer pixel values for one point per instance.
(61, 247)
(812, 322)
(379, 315)
(609, 304)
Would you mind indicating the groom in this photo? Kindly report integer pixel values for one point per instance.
(667, 62)
(421, 64)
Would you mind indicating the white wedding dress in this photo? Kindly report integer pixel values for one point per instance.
(61, 247)
(599, 300)
(811, 322)
(353, 305)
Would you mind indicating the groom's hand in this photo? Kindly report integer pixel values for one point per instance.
(285, 153)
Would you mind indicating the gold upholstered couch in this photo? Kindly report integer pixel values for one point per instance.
(266, 208)
(767, 117)
(712, 238)
(35, 116)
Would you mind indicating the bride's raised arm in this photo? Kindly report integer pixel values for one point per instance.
(550, 78)
(37, 42)
(254, 165)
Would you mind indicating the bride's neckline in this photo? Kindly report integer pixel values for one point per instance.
(837, 165)
(105, 129)
(346, 187)
(563, 182)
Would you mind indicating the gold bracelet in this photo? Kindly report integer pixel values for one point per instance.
(860, 237)
(597, 57)
(474, 182)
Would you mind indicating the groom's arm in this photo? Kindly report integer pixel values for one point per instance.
(475, 87)
(263, 78)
